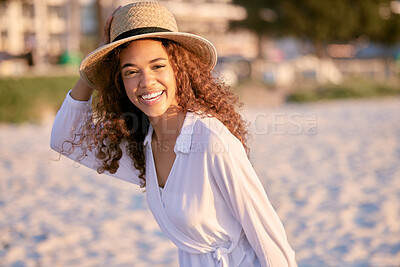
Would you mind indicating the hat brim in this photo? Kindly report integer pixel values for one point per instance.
(193, 43)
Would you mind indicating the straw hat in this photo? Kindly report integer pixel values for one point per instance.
(145, 20)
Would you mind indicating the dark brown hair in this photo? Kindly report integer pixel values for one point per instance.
(117, 121)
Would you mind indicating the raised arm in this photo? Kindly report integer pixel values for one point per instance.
(66, 128)
(81, 91)
(69, 121)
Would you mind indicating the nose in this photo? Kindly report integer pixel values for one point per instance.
(147, 79)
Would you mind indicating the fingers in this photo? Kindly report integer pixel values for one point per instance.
(106, 33)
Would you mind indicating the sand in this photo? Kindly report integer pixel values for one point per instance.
(330, 169)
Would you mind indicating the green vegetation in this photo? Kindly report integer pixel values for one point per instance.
(353, 88)
(30, 98)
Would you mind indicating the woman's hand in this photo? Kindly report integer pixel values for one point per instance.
(81, 91)
(106, 33)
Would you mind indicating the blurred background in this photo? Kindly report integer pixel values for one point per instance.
(320, 83)
(343, 49)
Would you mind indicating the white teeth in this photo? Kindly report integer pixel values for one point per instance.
(152, 95)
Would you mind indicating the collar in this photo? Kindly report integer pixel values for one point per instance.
(183, 142)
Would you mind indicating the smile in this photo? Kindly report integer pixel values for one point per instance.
(152, 96)
(150, 99)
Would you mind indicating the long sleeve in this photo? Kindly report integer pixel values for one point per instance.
(245, 196)
(67, 124)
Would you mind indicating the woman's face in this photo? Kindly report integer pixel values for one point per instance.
(148, 77)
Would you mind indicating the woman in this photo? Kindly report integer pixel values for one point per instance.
(162, 121)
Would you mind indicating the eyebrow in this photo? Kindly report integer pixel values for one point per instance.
(151, 61)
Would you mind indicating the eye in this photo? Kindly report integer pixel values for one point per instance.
(158, 66)
(129, 73)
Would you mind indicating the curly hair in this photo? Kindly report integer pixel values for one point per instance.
(116, 121)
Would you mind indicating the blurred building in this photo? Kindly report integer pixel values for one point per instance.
(46, 32)
(210, 19)
(37, 31)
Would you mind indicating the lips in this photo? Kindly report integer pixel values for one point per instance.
(151, 98)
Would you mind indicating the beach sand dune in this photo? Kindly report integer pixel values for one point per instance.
(331, 170)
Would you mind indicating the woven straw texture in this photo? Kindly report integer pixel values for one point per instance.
(141, 15)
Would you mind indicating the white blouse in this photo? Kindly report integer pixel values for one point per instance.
(213, 206)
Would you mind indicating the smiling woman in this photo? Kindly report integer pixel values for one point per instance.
(161, 120)
(148, 77)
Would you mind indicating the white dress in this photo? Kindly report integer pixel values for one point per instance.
(213, 206)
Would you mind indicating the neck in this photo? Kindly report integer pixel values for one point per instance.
(167, 126)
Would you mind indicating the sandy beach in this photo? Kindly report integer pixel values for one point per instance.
(330, 169)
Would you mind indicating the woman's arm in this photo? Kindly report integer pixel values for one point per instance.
(81, 91)
(66, 128)
(245, 195)
(73, 115)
